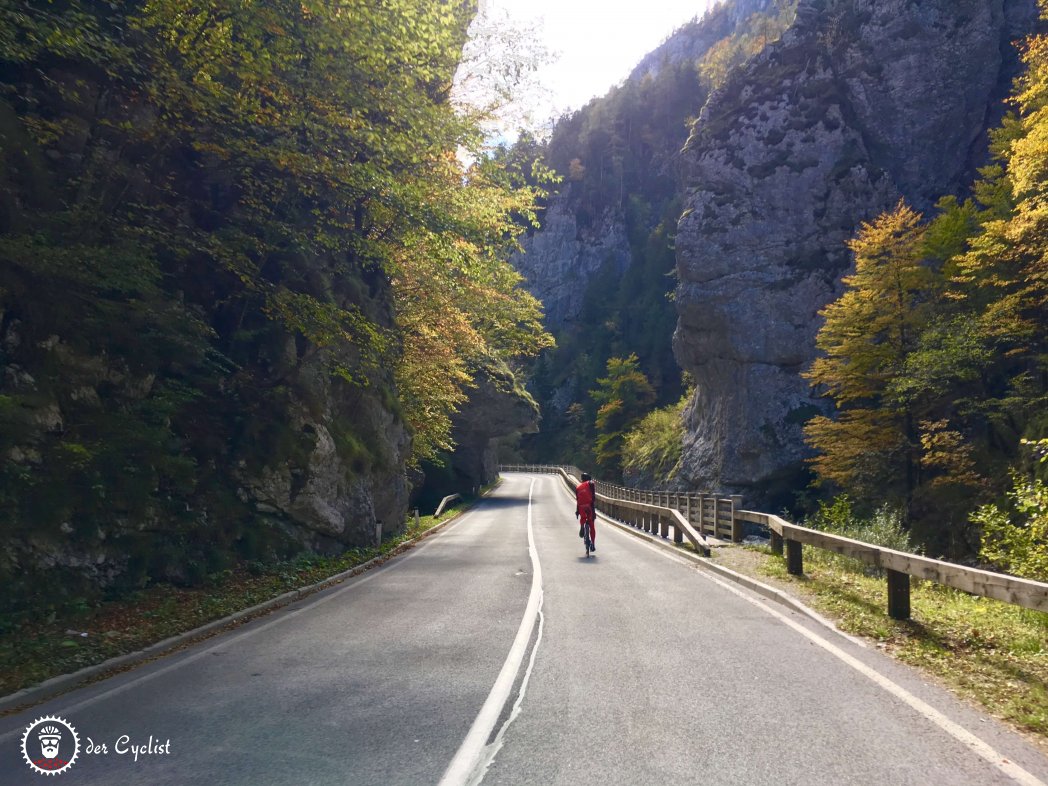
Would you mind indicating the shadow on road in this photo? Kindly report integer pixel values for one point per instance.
(503, 502)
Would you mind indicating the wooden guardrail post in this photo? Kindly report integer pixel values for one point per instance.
(776, 543)
(898, 595)
(647, 510)
(794, 558)
(736, 522)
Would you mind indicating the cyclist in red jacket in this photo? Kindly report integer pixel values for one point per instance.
(585, 507)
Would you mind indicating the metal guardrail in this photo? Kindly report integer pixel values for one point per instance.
(444, 502)
(723, 517)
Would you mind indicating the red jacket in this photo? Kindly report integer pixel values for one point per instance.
(585, 496)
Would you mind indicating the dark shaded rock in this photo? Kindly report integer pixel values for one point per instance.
(497, 408)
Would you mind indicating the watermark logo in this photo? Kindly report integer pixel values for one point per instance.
(50, 745)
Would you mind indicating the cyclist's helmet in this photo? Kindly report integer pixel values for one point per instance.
(586, 476)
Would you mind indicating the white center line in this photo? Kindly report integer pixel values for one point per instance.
(470, 761)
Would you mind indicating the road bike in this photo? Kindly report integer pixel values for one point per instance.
(586, 538)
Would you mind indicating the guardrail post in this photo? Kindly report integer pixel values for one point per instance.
(794, 558)
(736, 522)
(776, 543)
(898, 595)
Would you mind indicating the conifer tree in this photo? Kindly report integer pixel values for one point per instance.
(870, 448)
(623, 397)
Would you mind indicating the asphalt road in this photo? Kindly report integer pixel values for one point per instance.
(496, 652)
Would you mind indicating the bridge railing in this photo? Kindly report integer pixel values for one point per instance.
(723, 517)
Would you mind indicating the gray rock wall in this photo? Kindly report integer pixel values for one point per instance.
(497, 408)
(558, 263)
(862, 102)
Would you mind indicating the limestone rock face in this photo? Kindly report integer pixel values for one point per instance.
(861, 102)
(693, 40)
(559, 261)
(328, 500)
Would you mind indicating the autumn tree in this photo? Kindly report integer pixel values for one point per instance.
(623, 397)
(226, 211)
(870, 447)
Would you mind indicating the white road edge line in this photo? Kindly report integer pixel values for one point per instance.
(955, 730)
(223, 640)
(469, 763)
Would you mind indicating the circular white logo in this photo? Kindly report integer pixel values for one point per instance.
(50, 745)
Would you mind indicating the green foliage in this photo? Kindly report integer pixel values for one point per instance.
(866, 337)
(216, 219)
(942, 371)
(652, 448)
(622, 397)
(883, 528)
(1015, 537)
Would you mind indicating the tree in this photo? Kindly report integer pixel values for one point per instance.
(225, 211)
(871, 448)
(652, 448)
(623, 397)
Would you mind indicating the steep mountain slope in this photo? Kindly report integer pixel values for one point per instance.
(224, 237)
(603, 259)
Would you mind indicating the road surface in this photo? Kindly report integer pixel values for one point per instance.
(495, 652)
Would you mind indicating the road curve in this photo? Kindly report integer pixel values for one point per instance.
(496, 652)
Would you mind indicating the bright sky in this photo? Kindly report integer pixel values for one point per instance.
(596, 42)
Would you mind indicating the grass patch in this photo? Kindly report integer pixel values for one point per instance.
(989, 651)
(36, 651)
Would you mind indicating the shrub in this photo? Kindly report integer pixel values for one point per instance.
(1015, 539)
(652, 448)
(884, 528)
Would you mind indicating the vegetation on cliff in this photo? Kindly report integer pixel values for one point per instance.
(231, 234)
(937, 355)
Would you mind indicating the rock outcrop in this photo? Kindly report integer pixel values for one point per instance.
(560, 261)
(341, 488)
(498, 408)
(861, 103)
(693, 40)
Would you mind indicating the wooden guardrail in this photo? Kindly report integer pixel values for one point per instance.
(649, 517)
(722, 517)
(899, 566)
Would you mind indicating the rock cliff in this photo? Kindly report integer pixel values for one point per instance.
(860, 103)
(156, 422)
(602, 261)
(497, 408)
(560, 261)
